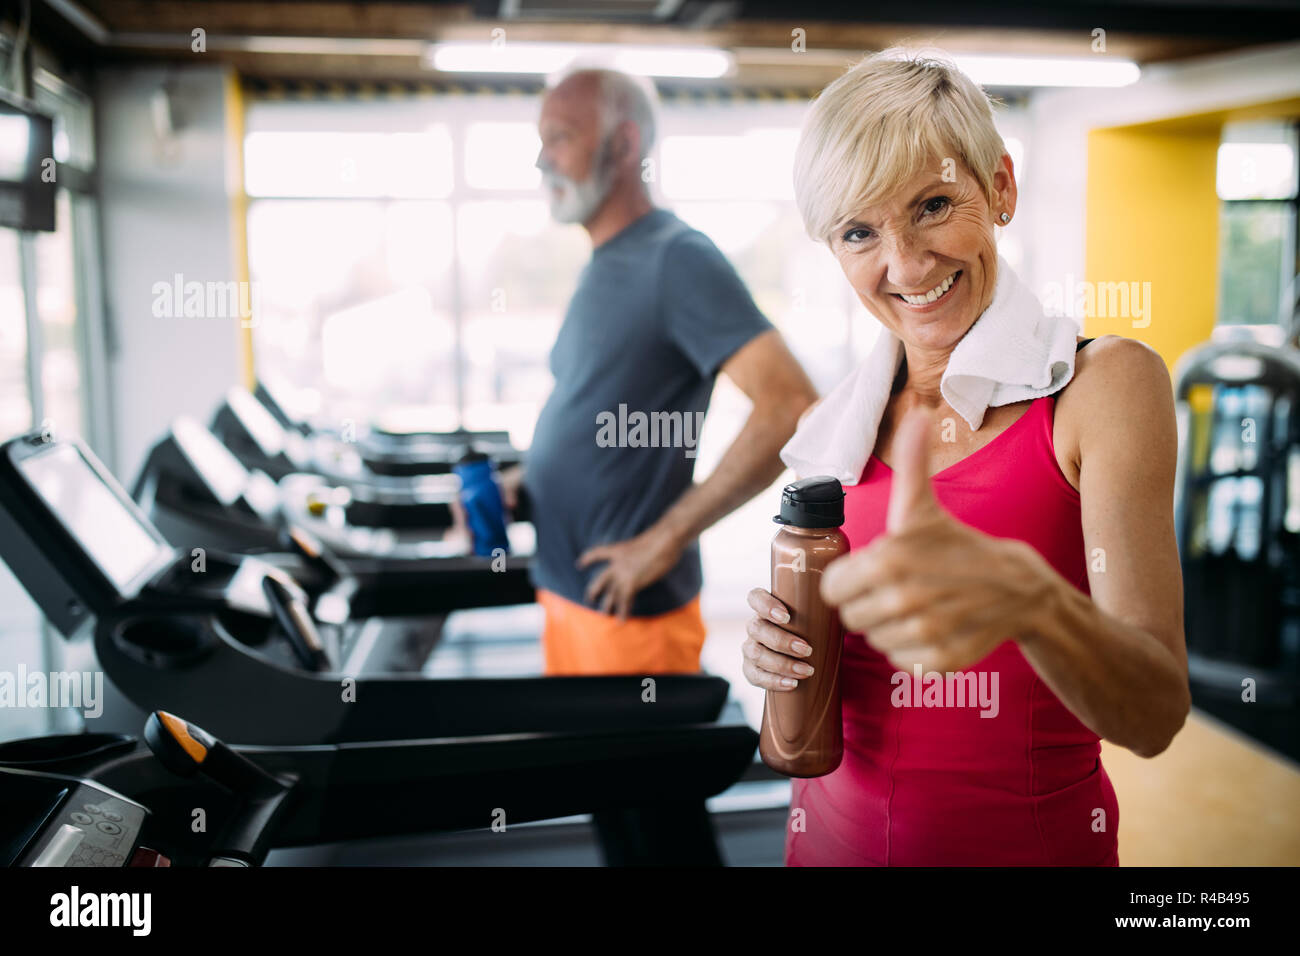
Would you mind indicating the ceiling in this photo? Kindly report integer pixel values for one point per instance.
(758, 32)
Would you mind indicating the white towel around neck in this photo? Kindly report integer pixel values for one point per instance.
(1013, 352)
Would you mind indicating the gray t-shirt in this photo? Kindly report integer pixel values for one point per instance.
(657, 311)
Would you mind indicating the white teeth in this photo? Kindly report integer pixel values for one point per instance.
(932, 294)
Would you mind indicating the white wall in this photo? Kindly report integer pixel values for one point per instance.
(163, 211)
(1052, 202)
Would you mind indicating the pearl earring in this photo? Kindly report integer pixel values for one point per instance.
(1005, 219)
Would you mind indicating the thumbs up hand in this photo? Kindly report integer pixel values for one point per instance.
(911, 496)
(931, 590)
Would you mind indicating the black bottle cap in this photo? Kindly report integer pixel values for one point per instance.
(816, 502)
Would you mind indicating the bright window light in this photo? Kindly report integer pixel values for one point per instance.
(14, 132)
(483, 226)
(656, 61)
(735, 225)
(312, 249)
(757, 164)
(502, 156)
(398, 165)
(1047, 71)
(1016, 149)
(357, 343)
(415, 241)
(544, 58)
(1256, 171)
(417, 165)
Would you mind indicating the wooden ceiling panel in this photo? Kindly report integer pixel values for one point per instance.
(141, 28)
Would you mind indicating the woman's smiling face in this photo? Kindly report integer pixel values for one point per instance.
(933, 242)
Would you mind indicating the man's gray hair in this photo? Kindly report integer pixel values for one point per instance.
(622, 97)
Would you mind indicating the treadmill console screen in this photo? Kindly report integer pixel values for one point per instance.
(220, 470)
(261, 424)
(105, 527)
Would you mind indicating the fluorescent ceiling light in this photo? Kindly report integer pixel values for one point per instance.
(1047, 71)
(545, 58)
(673, 61)
(304, 46)
(323, 46)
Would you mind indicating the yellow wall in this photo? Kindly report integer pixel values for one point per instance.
(1153, 217)
(239, 213)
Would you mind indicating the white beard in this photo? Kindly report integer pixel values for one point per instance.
(578, 202)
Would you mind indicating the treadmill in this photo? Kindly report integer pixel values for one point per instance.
(200, 496)
(396, 452)
(383, 463)
(231, 650)
(278, 400)
(200, 487)
(106, 800)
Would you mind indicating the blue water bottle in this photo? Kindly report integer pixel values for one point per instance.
(481, 497)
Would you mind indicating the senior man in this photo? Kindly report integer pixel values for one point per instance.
(658, 312)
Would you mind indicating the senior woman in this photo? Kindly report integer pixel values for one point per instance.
(901, 171)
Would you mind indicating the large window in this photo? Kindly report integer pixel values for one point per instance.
(407, 260)
(15, 398)
(422, 223)
(1256, 177)
(56, 306)
(48, 368)
(20, 623)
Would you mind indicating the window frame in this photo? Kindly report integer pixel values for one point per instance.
(1289, 285)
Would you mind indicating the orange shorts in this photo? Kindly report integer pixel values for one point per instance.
(580, 640)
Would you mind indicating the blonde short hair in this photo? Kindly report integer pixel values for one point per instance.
(874, 128)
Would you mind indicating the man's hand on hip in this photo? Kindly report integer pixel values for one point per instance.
(632, 565)
(510, 479)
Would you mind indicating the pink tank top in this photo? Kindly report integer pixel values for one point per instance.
(1001, 774)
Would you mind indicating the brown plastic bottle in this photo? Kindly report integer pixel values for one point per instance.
(802, 734)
